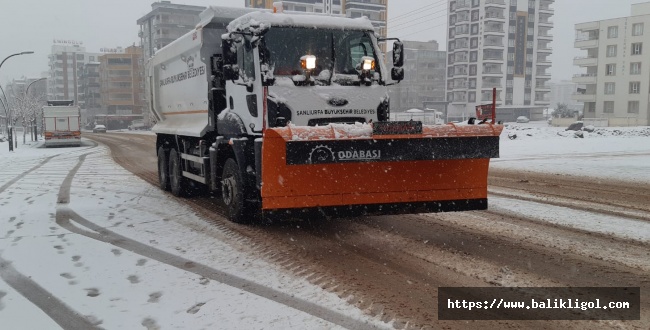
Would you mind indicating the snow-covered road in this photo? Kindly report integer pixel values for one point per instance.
(109, 250)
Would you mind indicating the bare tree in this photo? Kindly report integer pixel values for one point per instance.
(27, 109)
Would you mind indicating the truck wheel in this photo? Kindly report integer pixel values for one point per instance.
(177, 182)
(232, 192)
(163, 169)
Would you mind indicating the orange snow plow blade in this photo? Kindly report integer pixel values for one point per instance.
(350, 169)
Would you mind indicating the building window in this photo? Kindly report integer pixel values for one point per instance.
(610, 69)
(635, 87)
(608, 107)
(611, 51)
(635, 68)
(471, 96)
(475, 15)
(472, 70)
(637, 29)
(475, 3)
(637, 48)
(472, 83)
(633, 107)
(612, 32)
(610, 88)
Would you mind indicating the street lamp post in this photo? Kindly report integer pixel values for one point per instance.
(9, 128)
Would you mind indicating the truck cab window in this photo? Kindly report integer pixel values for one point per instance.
(245, 59)
(336, 51)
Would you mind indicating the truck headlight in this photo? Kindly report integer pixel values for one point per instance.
(368, 63)
(308, 62)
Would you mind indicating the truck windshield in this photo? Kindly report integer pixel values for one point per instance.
(336, 51)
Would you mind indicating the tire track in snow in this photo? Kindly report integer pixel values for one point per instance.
(66, 216)
(22, 175)
(57, 310)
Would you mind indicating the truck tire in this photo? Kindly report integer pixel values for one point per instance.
(232, 193)
(163, 169)
(178, 183)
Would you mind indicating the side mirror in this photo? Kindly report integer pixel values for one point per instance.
(397, 74)
(229, 53)
(398, 54)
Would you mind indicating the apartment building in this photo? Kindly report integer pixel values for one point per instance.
(615, 84)
(424, 78)
(90, 87)
(375, 10)
(165, 23)
(502, 44)
(66, 62)
(121, 87)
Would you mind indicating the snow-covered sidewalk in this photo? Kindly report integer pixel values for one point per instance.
(115, 252)
(607, 153)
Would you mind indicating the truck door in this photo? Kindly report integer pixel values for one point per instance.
(245, 95)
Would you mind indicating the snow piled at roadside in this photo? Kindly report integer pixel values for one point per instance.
(618, 153)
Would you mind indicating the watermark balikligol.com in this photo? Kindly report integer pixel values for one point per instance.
(539, 303)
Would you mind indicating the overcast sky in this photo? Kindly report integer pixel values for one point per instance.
(33, 24)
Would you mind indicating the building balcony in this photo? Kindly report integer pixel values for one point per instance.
(545, 23)
(493, 44)
(493, 59)
(584, 97)
(585, 61)
(492, 73)
(585, 78)
(543, 63)
(499, 31)
(542, 74)
(545, 36)
(500, 3)
(588, 26)
(586, 43)
(542, 87)
(495, 17)
(544, 49)
(545, 9)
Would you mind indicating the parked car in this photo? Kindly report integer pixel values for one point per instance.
(522, 119)
(138, 124)
(99, 129)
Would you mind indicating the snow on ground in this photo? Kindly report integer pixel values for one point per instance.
(126, 284)
(608, 152)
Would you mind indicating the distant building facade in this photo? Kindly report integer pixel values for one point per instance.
(121, 88)
(90, 86)
(502, 44)
(375, 10)
(562, 92)
(424, 78)
(66, 61)
(616, 82)
(165, 23)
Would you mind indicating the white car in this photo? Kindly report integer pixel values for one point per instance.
(522, 119)
(99, 129)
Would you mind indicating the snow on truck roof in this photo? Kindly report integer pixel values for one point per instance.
(259, 18)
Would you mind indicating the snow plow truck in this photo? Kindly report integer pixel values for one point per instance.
(280, 112)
